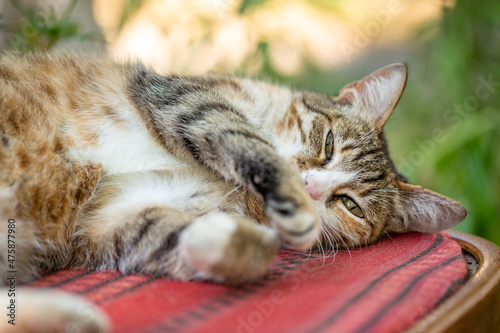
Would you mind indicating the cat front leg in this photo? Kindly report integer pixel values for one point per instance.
(245, 157)
(195, 122)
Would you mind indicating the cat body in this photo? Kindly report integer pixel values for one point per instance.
(107, 165)
(79, 156)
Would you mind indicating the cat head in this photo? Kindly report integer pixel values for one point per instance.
(339, 146)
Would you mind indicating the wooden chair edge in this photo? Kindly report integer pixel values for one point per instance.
(475, 307)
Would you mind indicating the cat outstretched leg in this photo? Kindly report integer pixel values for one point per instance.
(215, 247)
(155, 223)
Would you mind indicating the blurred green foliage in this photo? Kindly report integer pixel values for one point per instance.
(324, 4)
(463, 55)
(42, 30)
(456, 93)
(248, 4)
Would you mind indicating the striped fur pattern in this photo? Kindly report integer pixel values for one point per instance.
(106, 165)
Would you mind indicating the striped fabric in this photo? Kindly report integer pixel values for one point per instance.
(384, 287)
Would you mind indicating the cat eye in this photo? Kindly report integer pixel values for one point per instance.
(352, 207)
(329, 146)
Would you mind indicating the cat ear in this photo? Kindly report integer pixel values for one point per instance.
(377, 94)
(428, 211)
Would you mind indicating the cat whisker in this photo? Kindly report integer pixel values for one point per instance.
(330, 246)
(338, 233)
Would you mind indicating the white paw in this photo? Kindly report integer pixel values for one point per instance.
(203, 243)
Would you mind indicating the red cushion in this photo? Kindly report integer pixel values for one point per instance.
(384, 287)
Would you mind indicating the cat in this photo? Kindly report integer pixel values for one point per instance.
(113, 166)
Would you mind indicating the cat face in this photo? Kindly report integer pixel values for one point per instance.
(339, 147)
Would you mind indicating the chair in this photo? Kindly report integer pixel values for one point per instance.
(475, 307)
(408, 282)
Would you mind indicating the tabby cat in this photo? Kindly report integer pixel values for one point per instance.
(113, 166)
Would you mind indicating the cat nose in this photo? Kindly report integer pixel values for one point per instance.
(312, 188)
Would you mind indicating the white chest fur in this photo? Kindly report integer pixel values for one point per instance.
(124, 147)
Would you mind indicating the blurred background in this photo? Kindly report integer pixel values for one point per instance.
(443, 135)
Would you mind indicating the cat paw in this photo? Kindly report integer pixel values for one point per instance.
(224, 248)
(293, 216)
(49, 311)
